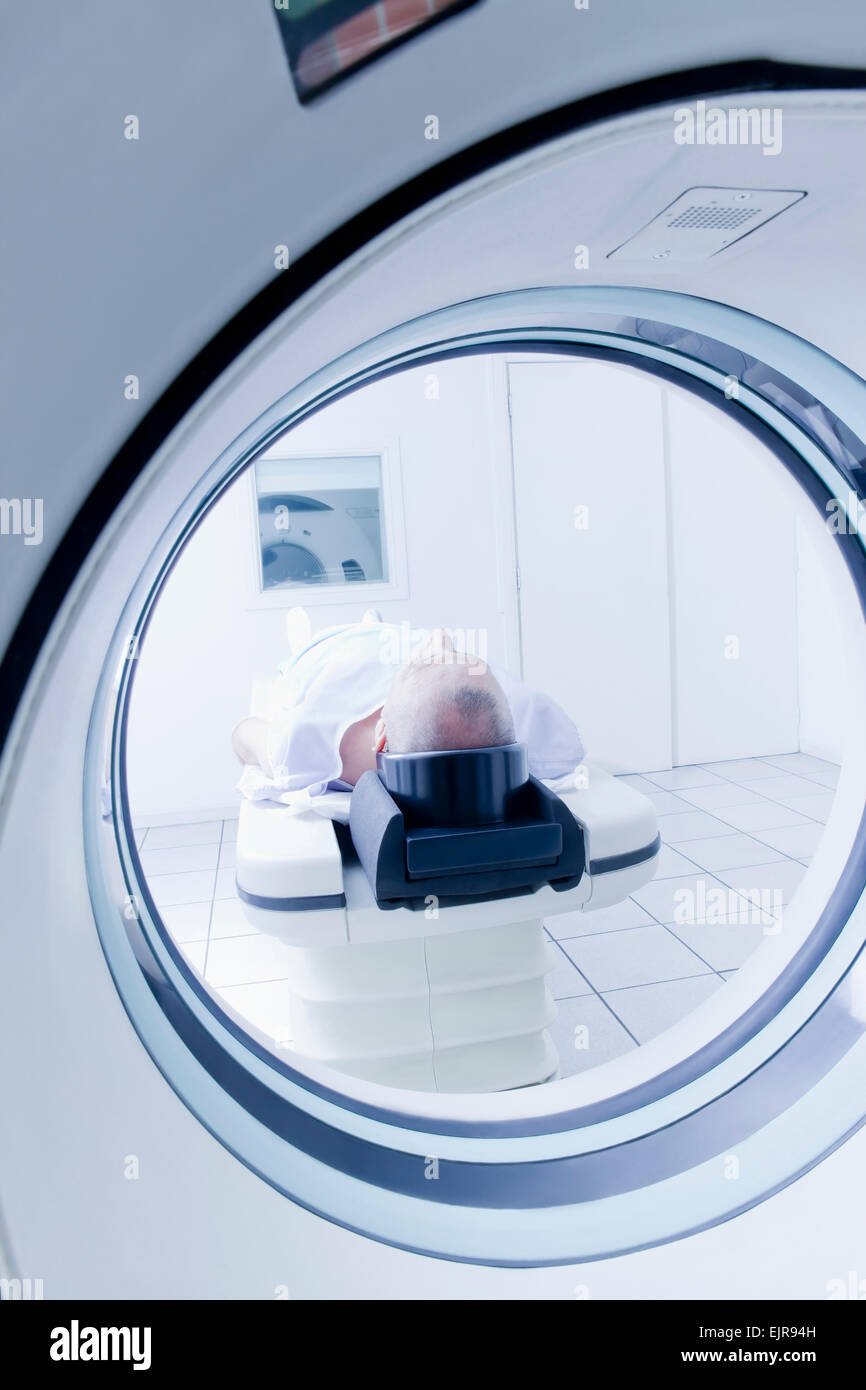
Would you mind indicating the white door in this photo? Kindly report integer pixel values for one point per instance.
(592, 553)
(734, 587)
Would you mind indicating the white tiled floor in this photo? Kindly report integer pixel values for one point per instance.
(744, 827)
(620, 975)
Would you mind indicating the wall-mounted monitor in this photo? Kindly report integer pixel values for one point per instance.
(326, 40)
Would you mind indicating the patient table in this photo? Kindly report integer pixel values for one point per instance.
(412, 910)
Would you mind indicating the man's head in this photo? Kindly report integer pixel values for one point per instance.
(441, 701)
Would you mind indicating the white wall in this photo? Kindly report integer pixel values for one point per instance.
(209, 640)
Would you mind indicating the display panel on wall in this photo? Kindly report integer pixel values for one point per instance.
(326, 40)
(320, 521)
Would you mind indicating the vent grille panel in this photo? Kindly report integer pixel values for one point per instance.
(701, 222)
(705, 215)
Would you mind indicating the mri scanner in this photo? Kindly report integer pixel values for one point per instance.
(489, 184)
(319, 543)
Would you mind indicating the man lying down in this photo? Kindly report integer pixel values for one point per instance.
(346, 696)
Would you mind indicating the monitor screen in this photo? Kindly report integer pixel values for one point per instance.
(326, 40)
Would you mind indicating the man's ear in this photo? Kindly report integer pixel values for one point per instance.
(380, 737)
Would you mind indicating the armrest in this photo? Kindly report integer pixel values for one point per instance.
(284, 856)
(617, 820)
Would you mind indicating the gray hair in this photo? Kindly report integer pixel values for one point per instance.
(464, 715)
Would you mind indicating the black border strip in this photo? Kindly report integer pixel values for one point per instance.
(61, 570)
(325, 902)
(627, 860)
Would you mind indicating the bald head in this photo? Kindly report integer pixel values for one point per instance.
(439, 703)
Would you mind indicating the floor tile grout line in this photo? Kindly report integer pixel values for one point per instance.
(597, 995)
(727, 887)
(664, 925)
(567, 957)
(168, 873)
(674, 980)
(704, 873)
(212, 901)
(717, 813)
(734, 868)
(755, 836)
(194, 902)
(667, 927)
(750, 835)
(218, 845)
(187, 824)
(654, 920)
(249, 984)
(738, 781)
(707, 974)
(610, 1009)
(187, 844)
(804, 776)
(746, 894)
(657, 922)
(611, 931)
